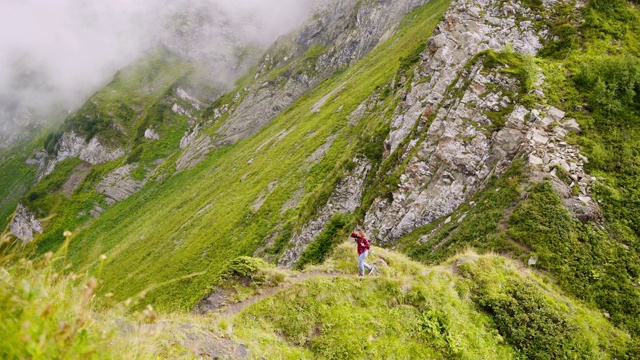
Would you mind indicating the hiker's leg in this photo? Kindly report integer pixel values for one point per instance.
(361, 262)
(366, 253)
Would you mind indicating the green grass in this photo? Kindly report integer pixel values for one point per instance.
(48, 315)
(16, 177)
(537, 319)
(586, 261)
(334, 233)
(407, 310)
(193, 222)
(597, 83)
(174, 241)
(412, 311)
(119, 112)
(139, 97)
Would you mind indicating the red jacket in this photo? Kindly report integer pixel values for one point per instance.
(363, 243)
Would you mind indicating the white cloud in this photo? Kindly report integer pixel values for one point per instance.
(66, 49)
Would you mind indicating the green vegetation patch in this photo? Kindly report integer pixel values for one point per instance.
(585, 260)
(112, 113)
(16, 177)
(484, 308)
(334, 233)
(598, 83)
(343, 318)
(539, 323)
(45, 314)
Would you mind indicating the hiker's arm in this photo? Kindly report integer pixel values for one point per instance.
(354, 235)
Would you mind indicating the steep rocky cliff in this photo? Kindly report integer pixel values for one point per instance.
(460, 120)
(468, 116)
(339, 34)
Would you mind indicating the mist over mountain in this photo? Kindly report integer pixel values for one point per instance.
(56, 53)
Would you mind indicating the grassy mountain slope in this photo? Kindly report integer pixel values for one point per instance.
(194, 222)
(118, 109)
(118, 116)
(15, 179)
(471, 307)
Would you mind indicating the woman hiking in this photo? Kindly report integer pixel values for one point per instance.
(363, 251)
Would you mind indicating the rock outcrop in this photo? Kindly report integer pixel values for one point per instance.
(457, 155)
(451, 101)
(346, 198)
(72, 145)
(196, 148)
(151, 134)
(550, 156)
(338, 34)
(75, 179)
(467, 29)
(343, 32)
(118, 185)
(24, 224)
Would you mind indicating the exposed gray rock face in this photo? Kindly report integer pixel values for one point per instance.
(346, 198)
(71, 145)
(332, 27)
(260, 106)
(186, 105)
(455, 158)
(24, 224)
(468, 29)
(459, 152)
(196, 149)
(39, 160)
(151, 134)
(118, 185)
(75, 179)
(344, 30)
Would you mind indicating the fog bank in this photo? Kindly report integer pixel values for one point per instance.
(61, 51)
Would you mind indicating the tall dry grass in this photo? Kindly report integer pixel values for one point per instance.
(49, 312)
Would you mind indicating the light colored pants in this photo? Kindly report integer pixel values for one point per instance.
(362, 264)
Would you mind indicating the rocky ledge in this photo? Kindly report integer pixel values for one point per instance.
(24, 224)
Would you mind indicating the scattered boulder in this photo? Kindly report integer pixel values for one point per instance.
(571, 125)
(151, 134)
(556, 113)
(534, 160)
(24, 224)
